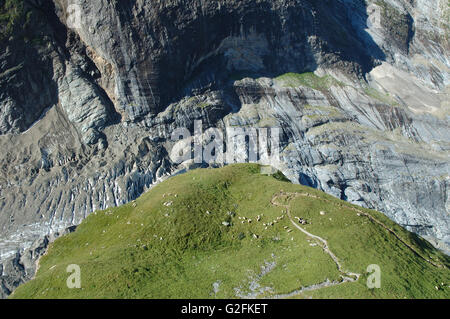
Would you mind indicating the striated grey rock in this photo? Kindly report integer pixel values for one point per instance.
(86, 113)
(83, 103)
(23, 265)
(371, 154)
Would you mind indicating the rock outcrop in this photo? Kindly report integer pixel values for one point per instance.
(23, 265)
(90, 92)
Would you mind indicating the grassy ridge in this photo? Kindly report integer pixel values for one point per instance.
(174, 242)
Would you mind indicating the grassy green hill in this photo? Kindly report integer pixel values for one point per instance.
(191, 237)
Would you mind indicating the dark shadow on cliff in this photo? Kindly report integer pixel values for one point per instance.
(187, 48)
(358, 17)
(330, 34)
(26, 69)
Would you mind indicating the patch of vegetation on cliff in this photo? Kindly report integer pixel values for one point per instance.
(12, 15)
(219, 233)
(382, 97)
(308, 79)
(20, 21)
(323, 110)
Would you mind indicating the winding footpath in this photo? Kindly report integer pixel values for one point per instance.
(345, 275)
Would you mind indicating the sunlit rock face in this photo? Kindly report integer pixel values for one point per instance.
(88, 108)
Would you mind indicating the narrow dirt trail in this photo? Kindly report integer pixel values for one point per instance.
(361, 212)
(346, 275)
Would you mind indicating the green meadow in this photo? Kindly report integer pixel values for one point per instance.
(218, 233)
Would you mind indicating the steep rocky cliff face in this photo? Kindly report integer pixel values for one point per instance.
(359, 89)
